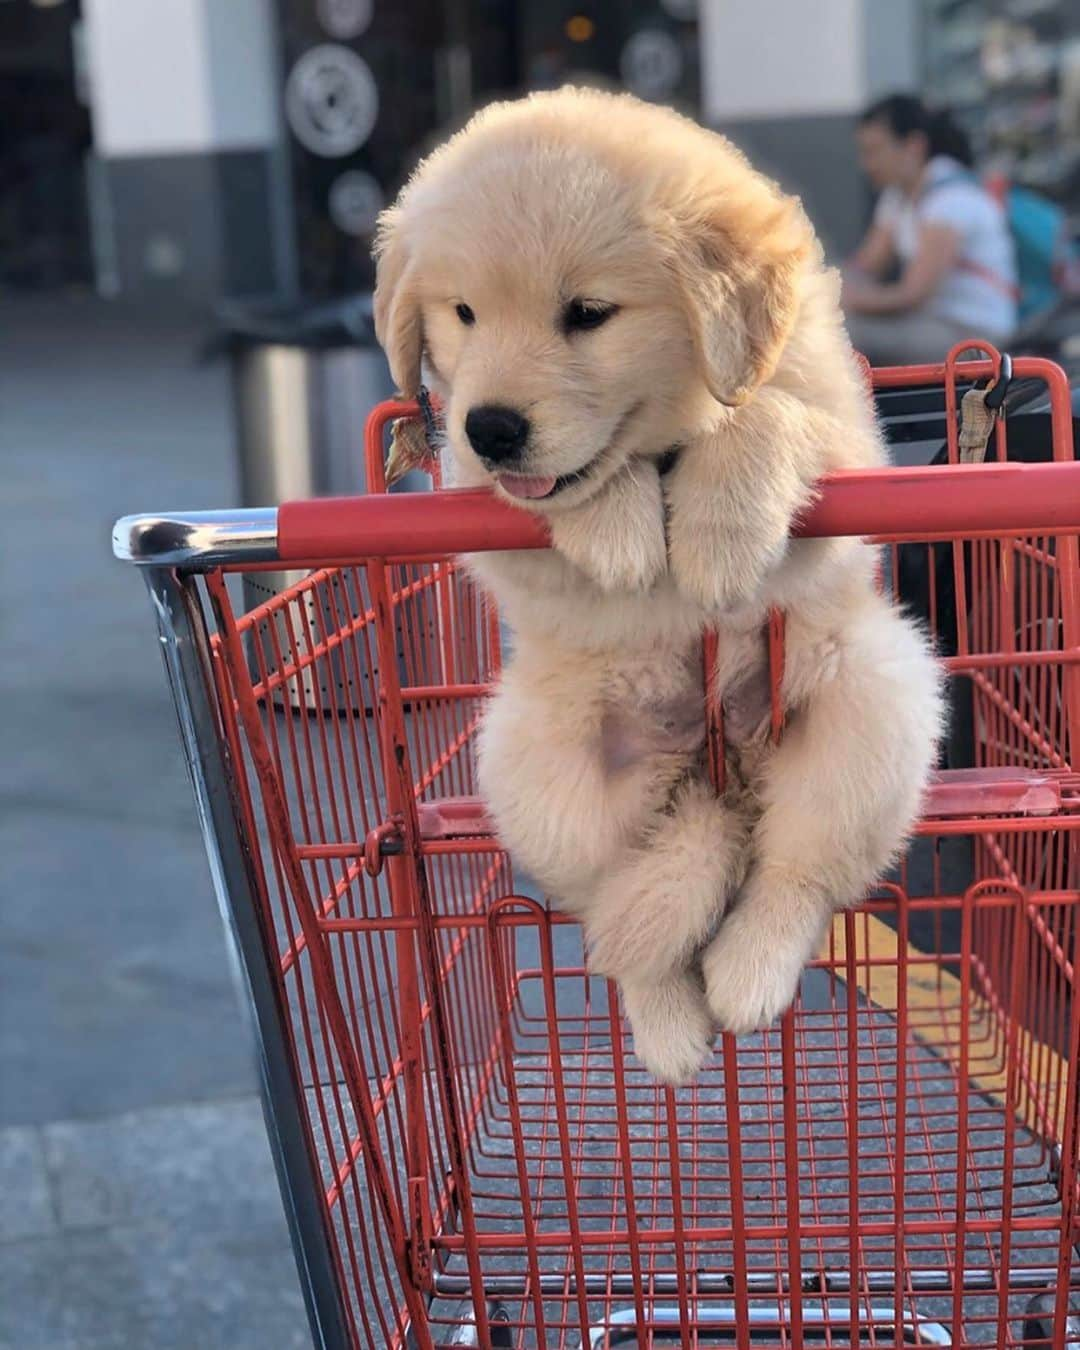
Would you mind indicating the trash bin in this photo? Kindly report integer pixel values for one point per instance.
(304, 379)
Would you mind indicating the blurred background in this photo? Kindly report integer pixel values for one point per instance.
(187, 194)
(181, 152)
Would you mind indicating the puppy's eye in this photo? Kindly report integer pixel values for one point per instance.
(580, 315)
(465, 314)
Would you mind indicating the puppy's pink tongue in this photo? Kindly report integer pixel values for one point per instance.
(519, 486)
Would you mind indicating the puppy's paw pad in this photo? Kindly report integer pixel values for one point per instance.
(748, 984)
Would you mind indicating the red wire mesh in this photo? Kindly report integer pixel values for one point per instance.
(894, 1164)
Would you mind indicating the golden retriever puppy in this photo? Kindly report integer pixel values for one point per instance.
(634, 334)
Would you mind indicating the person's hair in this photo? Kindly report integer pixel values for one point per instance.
(905, 114)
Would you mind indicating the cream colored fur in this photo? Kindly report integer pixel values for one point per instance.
(728, 342)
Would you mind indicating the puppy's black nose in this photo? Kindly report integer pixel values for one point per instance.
(496, 434)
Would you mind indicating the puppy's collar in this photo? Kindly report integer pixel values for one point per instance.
(664, 465)
(668, 460)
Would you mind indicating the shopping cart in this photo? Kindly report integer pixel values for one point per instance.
(468, 1152)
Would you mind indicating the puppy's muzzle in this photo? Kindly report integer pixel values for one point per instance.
(498, 435)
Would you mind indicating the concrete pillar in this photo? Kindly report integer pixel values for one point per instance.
(786, 79)
(186, 179)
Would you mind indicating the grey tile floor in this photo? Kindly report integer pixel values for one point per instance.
(138, 1206)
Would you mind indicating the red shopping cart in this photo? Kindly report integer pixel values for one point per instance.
(468, 1152)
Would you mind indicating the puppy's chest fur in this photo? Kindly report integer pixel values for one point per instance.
(654, 700)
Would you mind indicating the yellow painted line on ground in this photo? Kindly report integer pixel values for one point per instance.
(935, 1007)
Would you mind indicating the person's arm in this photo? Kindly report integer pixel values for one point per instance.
(875, 254)
(937, 254)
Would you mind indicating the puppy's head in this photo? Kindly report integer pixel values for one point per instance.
(583, 277)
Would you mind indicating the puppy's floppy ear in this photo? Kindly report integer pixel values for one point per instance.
(739, 270)
(397, 305)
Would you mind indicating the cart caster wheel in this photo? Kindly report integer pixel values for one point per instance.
(1039, 1320)
(498, 1321)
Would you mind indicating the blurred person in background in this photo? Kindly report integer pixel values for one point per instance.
(936, 232)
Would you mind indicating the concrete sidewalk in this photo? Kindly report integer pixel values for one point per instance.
(138, 1206)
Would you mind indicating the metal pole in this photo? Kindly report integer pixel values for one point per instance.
(185, 648)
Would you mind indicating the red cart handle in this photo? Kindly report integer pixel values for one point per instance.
(938, 501)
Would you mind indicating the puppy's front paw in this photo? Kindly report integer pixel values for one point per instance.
(640, 925)
(720, 572)
(673, 1031)
(617, 537)
(751, 974)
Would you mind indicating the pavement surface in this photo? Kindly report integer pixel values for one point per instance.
(138, 1205)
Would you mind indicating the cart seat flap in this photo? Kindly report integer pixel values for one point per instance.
(951, 792)
(993, 791)
(454, 817)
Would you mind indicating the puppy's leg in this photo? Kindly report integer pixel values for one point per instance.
(617, 537)
(673, 1029)
(838, 796)
(731, 497)
(558, 809)
(649, 914)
